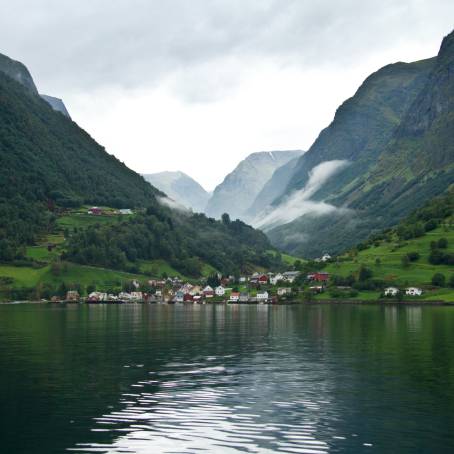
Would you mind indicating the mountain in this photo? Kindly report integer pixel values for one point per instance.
(50, 167)
(56, 104)
(239, 189)
(181, 188)
(273, 188)
(17, 71)
(387, 151)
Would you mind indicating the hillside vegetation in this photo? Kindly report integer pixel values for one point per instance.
(420, 248)
(50, 168)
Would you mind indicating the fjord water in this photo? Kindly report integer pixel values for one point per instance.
(217, 379)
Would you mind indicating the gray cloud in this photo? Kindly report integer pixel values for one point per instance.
(78, 46)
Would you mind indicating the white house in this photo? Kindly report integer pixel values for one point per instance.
(391, 291)
(136, 284)
(136, 296)
(220, 290)
(98, 296)
(284, 291)
(276, 278)
(290, 276)
(125, 211)
(413, 291)
(242, 279)
(325, 258)
(262, 296)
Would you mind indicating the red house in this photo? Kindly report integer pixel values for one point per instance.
(95, 210)
(187, 298)
(320, 276)
(263, 279)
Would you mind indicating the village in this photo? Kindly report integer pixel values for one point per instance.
(265, 288)
(258, 288)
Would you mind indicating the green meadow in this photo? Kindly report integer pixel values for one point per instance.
(385, 261)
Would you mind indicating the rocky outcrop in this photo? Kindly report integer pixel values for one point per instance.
(56, 104)
(17, 71)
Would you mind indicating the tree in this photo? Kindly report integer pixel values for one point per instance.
(377, 261)
(413, 256)
(226, 219)
(451, 281)
(364, 273)
(405, 260)
(213, 280)
(439, 280)
(442, 243)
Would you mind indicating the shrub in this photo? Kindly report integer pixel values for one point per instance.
(430, 225)
(439, 280)
(413, 256)
(364, 273)
(442, 243)
(451, 281)
(405, 260)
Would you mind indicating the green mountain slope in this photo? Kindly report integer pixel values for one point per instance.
(49, 165)
(421, 246)
(400, 156)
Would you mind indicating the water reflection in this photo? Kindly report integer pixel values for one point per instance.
(185, 379)
(221, 404)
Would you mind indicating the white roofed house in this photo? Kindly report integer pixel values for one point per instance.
(262, 296)
(290, 276)
(136, 296)
(220, 290)
(276, 278)
(284, 291)
(413, 291)
(391, 291)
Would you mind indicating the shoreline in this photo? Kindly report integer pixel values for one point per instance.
(227, 303)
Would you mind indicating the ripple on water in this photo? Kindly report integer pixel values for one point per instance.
(220, 408)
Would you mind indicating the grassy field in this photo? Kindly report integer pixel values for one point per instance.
(71, 273)
(287, 258)
(83, 220)
(389, 265)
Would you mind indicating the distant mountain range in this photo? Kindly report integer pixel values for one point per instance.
(238, 192)
(389, 149)
(181, 188)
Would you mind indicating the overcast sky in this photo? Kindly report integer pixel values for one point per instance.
(197, 85)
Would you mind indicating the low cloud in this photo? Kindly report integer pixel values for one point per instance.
(298, 203)
(173, 205)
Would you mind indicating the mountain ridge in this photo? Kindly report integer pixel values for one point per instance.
(180, 187)
(412, 162)
(238, 190)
